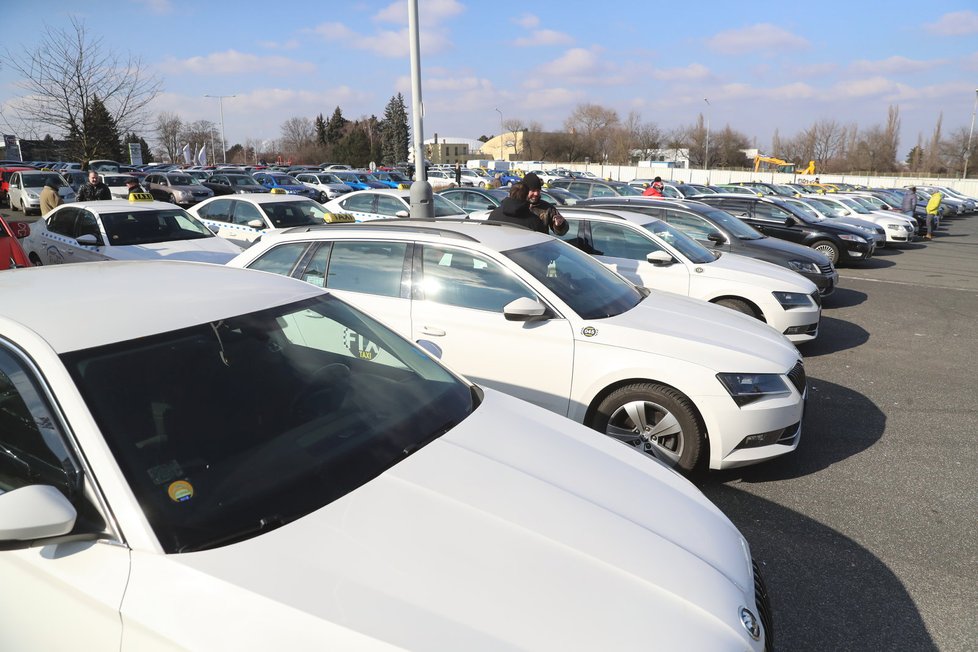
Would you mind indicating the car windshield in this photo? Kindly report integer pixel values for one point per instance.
(853, 205)
(827, 207)
(285, 180)
(394, 176)
(38, 180)
(241, 180)
(736, 227)
(231, 428)
(888, 200)
(675, 238)
(293, 213)
(445, 208)
(626, 190)
(868, 203)
(328, 178)
(148, 226)
(805, 208)
(584, 284)
(181, 180)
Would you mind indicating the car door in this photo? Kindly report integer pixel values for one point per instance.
(362, 206)
(459, 296)
(60, 596)
(86, 223)
(15, 192)
(237, 230)
(55, 238)
(770, 220)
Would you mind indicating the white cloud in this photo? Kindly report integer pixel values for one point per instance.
(691, 72)
(291, 44)
(576, 62)
(813, 70)
(232, 62)
(957, 23)
(856, 88)
(386, 43)
(430, 12)
(893, 65)
(158, 7)
(543, 37)
(527, 21)
(336, 31)
(760, 37)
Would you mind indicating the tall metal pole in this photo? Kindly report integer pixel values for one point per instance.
(967, 155)
(422, 202)
(706, 156)
(502, 151)
(224, 145)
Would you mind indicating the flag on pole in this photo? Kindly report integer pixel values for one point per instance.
(186, 153)
(202, 155)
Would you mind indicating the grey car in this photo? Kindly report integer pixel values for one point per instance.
(177, 188)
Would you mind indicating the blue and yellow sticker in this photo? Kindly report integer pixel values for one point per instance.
(180, 491)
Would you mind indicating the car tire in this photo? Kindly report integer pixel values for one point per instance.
(656, 419)
(737, 304)
(35, 259)
(827, 247)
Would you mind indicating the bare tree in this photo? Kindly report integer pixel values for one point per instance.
(168, 128)
(932, 154)
(592, 125)
(297, 133)
(200, 133)
(69, 70)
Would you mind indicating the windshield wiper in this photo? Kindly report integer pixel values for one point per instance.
(266, 524)
(421, 443)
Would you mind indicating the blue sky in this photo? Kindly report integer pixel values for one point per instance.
(762, 65)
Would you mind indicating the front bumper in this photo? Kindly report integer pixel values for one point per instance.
(855, 251)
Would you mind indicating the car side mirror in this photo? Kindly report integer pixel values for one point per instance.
(402, 214)
(660, 258)
(788, 221)
(525, 309)
(256, 224)
(214, 228)
(34, 512)
(21, 229)
(88, 240)
(717, 237)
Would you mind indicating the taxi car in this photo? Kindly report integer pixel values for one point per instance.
(378, 204)
(682, 380)
(650, 252)
(243, 218)
(134, 229)
(12, 255)
(223, 477)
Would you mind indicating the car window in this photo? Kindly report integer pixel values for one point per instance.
(63, 222)
(736, 207)
(460, 278)
(387, 205)
(282, 259)
(86, 224)
(360, 203)
(315, 270)
(619, 241)
(218, 210)
(765, 211)
(692, 225)
(244, 212)
(367, 267)
(580, 189)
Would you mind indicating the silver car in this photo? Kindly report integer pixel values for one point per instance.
(25, 190)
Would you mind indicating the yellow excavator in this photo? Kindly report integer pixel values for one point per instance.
(771, 164)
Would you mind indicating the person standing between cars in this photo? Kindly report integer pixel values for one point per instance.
(95, 189)
(549, 216)
(50, 198)
(132, 185)
(909, 204)
(655, 190)
(458, 174)
(517, 209)
(933, 208)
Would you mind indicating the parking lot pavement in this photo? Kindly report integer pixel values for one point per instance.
(868, 533)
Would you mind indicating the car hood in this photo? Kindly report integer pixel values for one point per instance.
(792, 250)
(698, 332)
(512, 531)
(748, 270)
(204, 250)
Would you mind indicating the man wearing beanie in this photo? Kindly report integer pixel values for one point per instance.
(521, 209)
(50, 199)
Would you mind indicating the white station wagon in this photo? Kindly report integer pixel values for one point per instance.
(236, 461)
(689, 382)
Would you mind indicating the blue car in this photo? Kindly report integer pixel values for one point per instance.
(391, 179)
(289, 184)
(352, 179)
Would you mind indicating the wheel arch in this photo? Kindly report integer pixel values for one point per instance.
(758, 312)
(592, 407)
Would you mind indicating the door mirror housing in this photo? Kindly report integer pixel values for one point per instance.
(525, 309)
(402, 214)
(660, 258)
(256, 224)
(88, 240)
(716, 237)
(37, 511)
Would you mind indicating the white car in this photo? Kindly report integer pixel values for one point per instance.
(123, 230)
(686, 381)
(216, 459)
(329, 185)
(25, 190)
(385, 203)
(899, 228)
(243, 218)
(650, 252)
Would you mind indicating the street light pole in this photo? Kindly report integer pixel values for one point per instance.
(706, 156)
(502, 145)
(224, 145)
(422, 199)
(967, 154)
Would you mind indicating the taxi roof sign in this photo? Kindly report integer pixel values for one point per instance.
(278, 191)
(140, 196)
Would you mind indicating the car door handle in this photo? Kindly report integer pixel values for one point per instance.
(434, 332)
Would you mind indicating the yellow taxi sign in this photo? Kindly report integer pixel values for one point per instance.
(334, 218)
(140, 196)
(278, 191)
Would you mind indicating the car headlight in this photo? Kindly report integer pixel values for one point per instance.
(789, 300)
(852, 238)
(803, 266)
(747, 388)
(32, 195)
(180, 195)
(895, 227)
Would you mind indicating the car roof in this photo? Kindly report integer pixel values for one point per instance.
(263, 197)
(119, 206)
(610, 214)
(397, 192)
(125, 309)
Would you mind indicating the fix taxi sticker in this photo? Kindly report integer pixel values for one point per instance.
(180, 491)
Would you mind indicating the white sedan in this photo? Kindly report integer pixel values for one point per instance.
(690, 383)
(223, 460)
(381, 204)
(123, 230)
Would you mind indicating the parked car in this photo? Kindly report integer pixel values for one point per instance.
(472, 200)
(828, 211)
(649, 252)
(328, 184)
(176, 188)
(441, 179)
(243, 218)
(224, 476)
(25, 190)
(285, 182)
(523, 312)
(585, 189)
(117, 184)
(123, 230)
(12, 254)
(559, 196)
(232, 183)
(719, 230)
(367, 205)
(391, 178)
(888, 227)
(841, 244)
(6, 172)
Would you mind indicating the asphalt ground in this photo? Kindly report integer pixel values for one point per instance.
(867, 534)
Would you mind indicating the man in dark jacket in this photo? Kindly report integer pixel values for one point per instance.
(95, 189)
(524, 208)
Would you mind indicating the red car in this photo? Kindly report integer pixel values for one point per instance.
(5, 173)
(11, 253)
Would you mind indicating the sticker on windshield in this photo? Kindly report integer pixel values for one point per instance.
(360, 346)
(589, 331)
(180, 491)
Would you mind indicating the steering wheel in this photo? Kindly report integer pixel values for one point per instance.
(324, 392)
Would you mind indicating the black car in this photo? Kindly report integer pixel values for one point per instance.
(720, 230)
(840, 243)
(232, 184)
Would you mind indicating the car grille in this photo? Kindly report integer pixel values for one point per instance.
(763, 602)
(196, 193)
(797, 377)
(826, 269)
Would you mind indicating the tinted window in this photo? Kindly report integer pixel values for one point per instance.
(218, 210)
(281, 259)
(619, 241)
(244, 212)
(390, 206)
(690, 224)
(63, 222)
(460, 278)
(145, 227)
(767, 211)
(360, 203)
(368, 267)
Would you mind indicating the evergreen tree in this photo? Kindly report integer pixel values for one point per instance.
(144, 149)
(335, 127)
(396, 137)
(101, 134)
(354, 147)
(320, 126)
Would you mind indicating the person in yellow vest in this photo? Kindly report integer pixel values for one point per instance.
(933, 209)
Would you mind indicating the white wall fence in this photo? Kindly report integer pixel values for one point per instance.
(688, 175)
